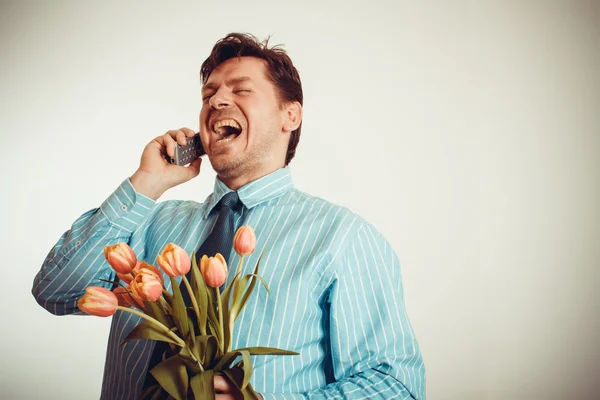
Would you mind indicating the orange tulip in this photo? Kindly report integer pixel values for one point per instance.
(213, 270)
(146, 268)
(244, 241)
(174, 261)
(147, 284)
(121, 257)
(98, 301)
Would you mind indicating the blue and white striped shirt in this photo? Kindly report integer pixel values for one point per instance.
(336, 290)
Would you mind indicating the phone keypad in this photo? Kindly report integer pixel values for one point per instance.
(188, 153)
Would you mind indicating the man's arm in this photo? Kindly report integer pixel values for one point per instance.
(374, 351)
(77, 260)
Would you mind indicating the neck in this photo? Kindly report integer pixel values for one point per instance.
(236, 182)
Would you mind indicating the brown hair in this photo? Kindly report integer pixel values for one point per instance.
(280, 70)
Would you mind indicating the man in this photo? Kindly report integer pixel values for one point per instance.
(336, 293)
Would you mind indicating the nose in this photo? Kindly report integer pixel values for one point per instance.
(219, 100)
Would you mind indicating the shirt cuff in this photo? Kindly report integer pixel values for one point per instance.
(126, 208)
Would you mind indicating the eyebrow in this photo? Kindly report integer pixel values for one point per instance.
(231, 82)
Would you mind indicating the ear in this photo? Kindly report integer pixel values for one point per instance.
(292, 116)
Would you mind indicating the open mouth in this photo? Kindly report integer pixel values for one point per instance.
(227, 130)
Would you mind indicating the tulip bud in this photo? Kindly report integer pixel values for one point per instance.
(213, 270)
(144, 267)
(174, 261)
(244, 241)
(121, 257)
(98, 301)
(147, 284)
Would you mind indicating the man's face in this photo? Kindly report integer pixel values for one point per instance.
(241, 121)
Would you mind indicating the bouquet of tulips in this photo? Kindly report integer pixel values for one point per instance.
(199, 333)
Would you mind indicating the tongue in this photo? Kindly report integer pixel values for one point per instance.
(229, 130)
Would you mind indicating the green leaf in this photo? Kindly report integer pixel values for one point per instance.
(213, 320)
(158, 312)
(203, 385)
(207, 348)
(237, 307)
(146, 330)
(199, 287)
(172, 375)
(190, 340)
(180, 315)
(190, 361)
(236, 376)
(226, 317)
(228, 359)
(229, 287)
(237, 291)
(258, 350)
(247, 367)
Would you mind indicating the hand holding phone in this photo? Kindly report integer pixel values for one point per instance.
(188, 153)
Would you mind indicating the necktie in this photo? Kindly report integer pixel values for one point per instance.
(219, 240)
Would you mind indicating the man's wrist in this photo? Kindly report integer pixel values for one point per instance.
(143, 183)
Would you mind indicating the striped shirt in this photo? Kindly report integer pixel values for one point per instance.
(336, 291)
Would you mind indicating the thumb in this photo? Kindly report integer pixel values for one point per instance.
(194, 168)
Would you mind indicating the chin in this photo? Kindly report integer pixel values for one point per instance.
(228, 168)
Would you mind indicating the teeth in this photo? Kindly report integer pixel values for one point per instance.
(219, 126)
(226, 139)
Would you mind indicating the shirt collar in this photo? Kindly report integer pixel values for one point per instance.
(261, 190)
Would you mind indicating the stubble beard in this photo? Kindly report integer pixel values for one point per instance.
(246, 164)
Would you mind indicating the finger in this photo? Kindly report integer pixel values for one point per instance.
(188, 132)
(180, 137)
(194, 167)
(221, 384)
(169, 143)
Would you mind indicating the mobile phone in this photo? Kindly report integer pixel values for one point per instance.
(188, 153)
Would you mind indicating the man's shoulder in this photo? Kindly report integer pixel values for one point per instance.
(175, 209)
(315, 205)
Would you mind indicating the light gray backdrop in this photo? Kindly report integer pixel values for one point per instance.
(467, 132)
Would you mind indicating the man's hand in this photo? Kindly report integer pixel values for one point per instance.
(155, 174)
(226, 391)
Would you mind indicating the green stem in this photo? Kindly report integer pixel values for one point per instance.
(201, 325)
(236, 295)
(220, 307)
(168, 295)
(154, 322)
(166, 304)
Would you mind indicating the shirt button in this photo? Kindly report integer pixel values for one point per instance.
(78, 243)
(123, 207)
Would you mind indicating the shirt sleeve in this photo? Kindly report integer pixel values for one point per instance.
(77, 260)
(373, 348)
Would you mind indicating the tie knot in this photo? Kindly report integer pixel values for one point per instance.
(230, 200)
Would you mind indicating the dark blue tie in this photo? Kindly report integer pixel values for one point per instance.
(219, 240)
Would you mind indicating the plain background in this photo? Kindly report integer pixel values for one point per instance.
(467, 132)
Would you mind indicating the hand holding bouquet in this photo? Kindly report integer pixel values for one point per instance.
(195, 321)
